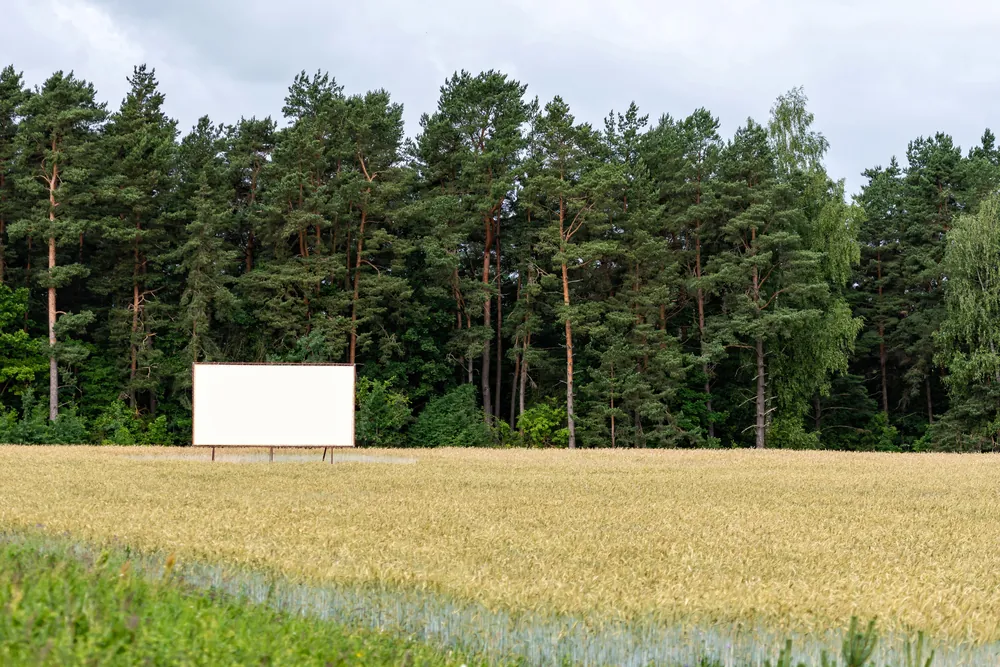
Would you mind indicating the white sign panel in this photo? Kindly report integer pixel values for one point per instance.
(274, 405)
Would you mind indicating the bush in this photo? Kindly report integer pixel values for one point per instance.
(451, 420)
(382, 414)
(542, 426)
(118, 424)
(788, 432)
(34, 427)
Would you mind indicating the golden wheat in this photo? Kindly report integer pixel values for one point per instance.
(797, 540)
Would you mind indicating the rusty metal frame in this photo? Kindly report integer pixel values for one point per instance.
(271, 447)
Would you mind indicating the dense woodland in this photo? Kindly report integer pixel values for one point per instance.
(508, 276)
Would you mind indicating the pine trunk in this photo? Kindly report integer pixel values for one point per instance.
(881, 340)
(499, 369)
(53, 369)
(563, 236)
(357, 287)
(513, 385)
(882, 364)
(133, 348)
(570, 425)
(524, 376)
(700, 299)
(930, 400)
(613, 442)
(487, 322)
(761, 402)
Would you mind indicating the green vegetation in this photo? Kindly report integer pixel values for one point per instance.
(70, 604)
(59, 610)
(665, 286)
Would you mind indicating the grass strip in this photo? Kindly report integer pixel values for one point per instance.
(56, 609)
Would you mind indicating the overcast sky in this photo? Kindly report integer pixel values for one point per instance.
(878, 72)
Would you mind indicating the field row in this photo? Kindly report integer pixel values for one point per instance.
(797, 541)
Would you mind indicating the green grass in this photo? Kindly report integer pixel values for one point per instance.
(56, 609)
(70, 603)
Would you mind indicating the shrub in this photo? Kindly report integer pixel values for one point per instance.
(120, 425)
(451, 420)
(542, 426)
(34, 428)
(787, 432)
(382, 414)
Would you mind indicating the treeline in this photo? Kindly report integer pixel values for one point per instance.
(509, 275)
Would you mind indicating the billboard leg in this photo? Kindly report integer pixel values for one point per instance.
(213, 453)
(324, 453)
(272, 454)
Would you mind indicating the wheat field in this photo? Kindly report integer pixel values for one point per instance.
(798, 541)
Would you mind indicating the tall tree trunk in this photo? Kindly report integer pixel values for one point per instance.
(882, 365)
(817, 413)
(613, 441)
(881, 339)
(513, 386)
(930, 400)
(499, 369)
(487, 322)
(761, 402)
(53, 368)
(524, 375)
(133, 348)
(357, 284)
(570, 424)
(700, 298)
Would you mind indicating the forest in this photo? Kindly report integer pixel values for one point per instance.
(508, 276)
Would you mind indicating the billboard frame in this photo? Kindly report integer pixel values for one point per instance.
(272, 447)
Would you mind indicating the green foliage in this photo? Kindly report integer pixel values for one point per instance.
(33, 427)
(788, 432)
(451, 420)
(670, 267)
(543, 425)
(63, 611)
(20, 355)
(382, 414)
(119, 424)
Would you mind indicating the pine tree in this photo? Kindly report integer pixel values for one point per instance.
(372, 186)
(572, 187)
(249, 151)
(764, 273)
(139, 160)
(878, 293)
(299, 294)
(12, 96)
(468, 154)
(56, 149)
(932, 191)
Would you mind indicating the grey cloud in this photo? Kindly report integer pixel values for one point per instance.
(878, 74)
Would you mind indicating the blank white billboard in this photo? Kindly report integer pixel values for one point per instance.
(273, 405)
